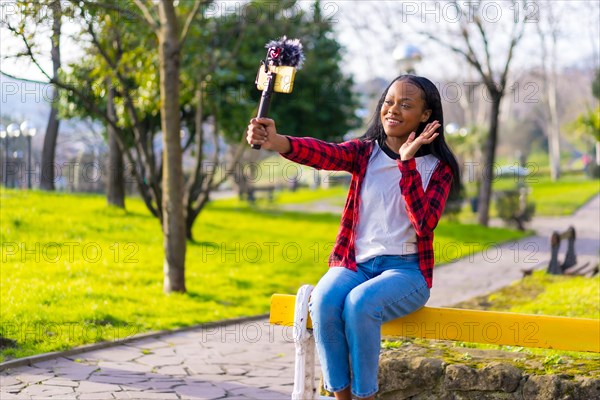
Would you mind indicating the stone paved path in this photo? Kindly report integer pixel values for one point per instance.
(247, 360)
(252, 360)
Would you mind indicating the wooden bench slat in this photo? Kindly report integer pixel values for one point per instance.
(493, 327)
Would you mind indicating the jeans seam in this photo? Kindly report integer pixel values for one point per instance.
(404, 297)
(366, 395)
(329, 388)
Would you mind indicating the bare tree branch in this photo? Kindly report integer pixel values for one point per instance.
(189, 20)
(113, 64)
(486, 46)
(29, 49)
(516, 36)
(147, 14)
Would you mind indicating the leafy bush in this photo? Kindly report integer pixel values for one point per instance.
(513, 207)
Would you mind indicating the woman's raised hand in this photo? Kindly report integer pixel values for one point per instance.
(413, 143)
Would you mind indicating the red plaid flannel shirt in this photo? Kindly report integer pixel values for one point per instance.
(424, 208)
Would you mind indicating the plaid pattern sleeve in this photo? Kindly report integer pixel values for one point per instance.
(424, 208)
(323, 155)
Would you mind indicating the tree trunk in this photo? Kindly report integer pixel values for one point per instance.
(553, 124)
(49, 150)
(489, 156)
(115, 189)
(174, 231)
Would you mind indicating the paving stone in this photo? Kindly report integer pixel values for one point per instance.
(96, 387)
(181, 338)
(75, 371)
(123, 395)
(145, 395)
(205, 391)
(173, 370)
(118, 380)
(263, 383)
(220, 360)
(11, 396)
(162, 385)
(49, 364)
(164, 352)
(58, 397)
(256, 393)
(216, 378)
(264, 372)
(123, 366)
(12, 388)
(7, 380)
(46, 390)
(200, 369)
(226, 385)
(156, 360)
(115, 354)
(120, 373)
(28, 370)
(286, 388)
(152, 385)
(61, 382)
(33, 378)
(236, 371)
(274, 365)
(238, 398)
(95, 396)
(190, 349)
(150, 344)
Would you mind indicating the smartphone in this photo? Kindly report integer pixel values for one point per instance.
(284, 78)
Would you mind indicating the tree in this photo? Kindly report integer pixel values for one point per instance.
(216, 66)
(33, 16)
(588, 123)
(550, 26)
(49, 149)
(115, 187)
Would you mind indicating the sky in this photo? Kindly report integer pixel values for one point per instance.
(372, 55)
(371, 30)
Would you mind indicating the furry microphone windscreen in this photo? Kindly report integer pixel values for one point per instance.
(285, 52)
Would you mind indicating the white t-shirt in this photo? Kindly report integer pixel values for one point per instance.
(383, 226)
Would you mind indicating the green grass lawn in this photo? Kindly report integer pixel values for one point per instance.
(551, 198)
(544, 294)
(75, 271)
(562, 197)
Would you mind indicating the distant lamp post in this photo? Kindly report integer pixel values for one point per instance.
(29, 132)
(407, 56)
(4, 137)
(12, 131)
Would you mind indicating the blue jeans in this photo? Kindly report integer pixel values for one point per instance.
(347, 309)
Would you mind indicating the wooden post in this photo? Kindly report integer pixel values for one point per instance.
(304, 371)
(570, 258)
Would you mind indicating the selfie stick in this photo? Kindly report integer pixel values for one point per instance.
(277, 71)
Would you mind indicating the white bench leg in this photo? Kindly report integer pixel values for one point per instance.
(304, 374)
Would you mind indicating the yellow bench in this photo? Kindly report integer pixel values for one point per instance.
(542, 331)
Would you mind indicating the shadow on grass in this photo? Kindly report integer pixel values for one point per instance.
(202, 297)
(279, 214)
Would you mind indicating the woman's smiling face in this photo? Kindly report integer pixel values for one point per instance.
(403, 109)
